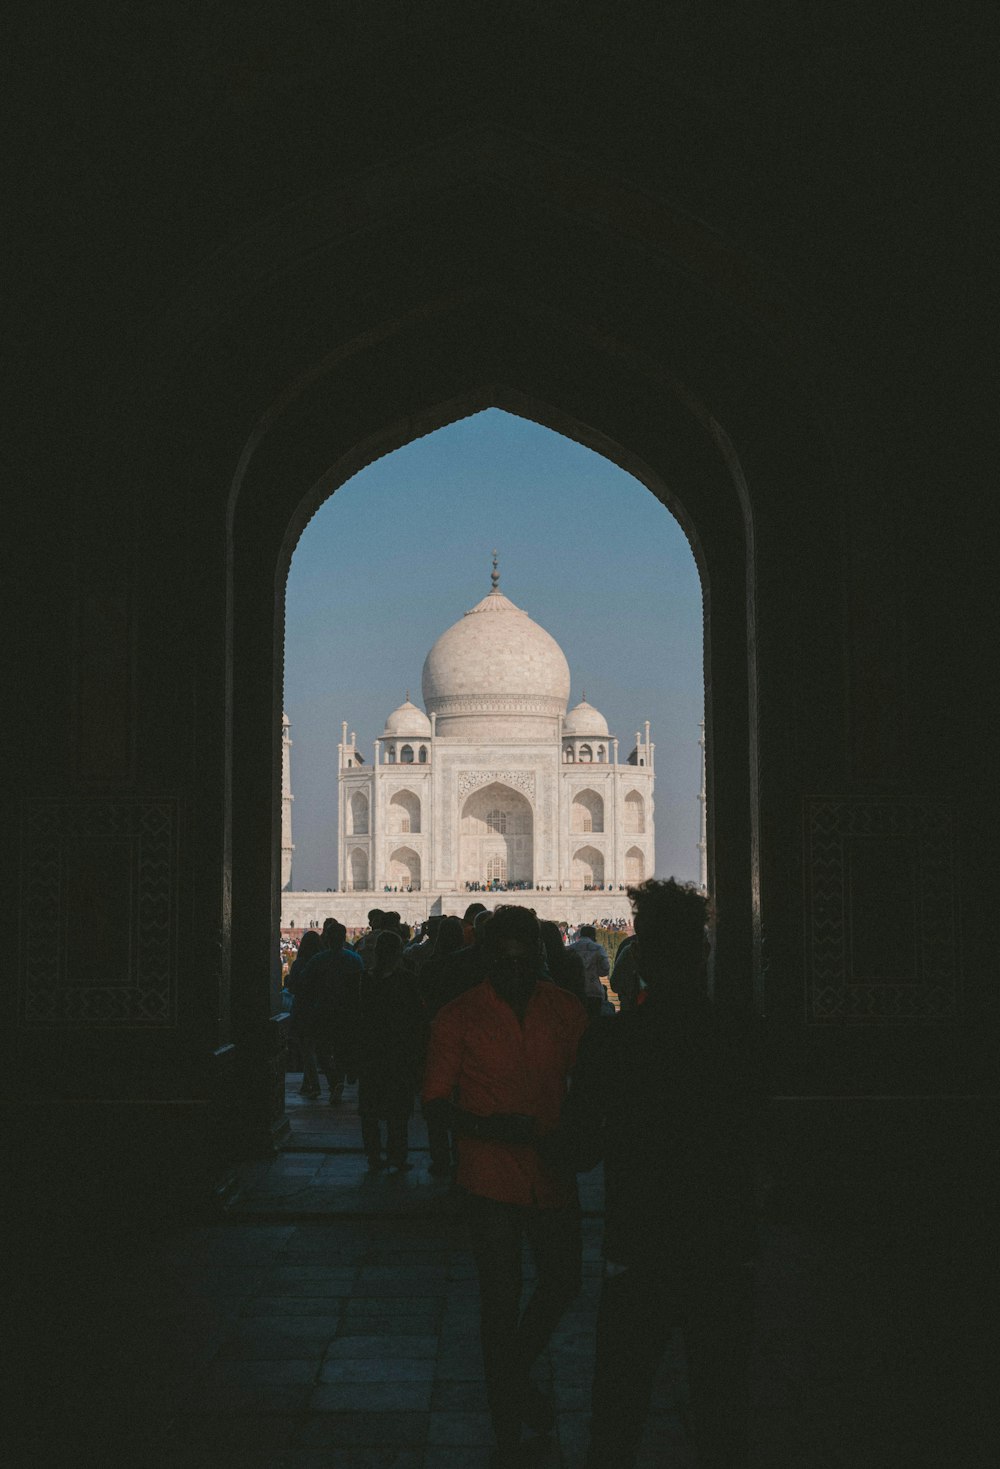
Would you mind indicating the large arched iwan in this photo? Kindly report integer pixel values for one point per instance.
(259, 562)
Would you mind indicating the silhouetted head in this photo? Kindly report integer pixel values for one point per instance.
(309, 944)
(514, 954)
(469, 916)
(431, 926)
(375, 919)
(388, 953)
(671, 943)
(553, 945)
(334, 934)
(450, 936)
(588, 931)
(480, 924)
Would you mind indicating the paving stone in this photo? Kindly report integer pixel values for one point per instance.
(293, 1305)
(455, 1428)
(424, 1345)
(377, 1369)
(469, 1456)
(462, 1397)
(354, 1430)
(371, 1397)
(281, 1336)
(229, 1433)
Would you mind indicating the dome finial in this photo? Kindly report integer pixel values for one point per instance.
(585, 696)
(494, 574)
(407, 696)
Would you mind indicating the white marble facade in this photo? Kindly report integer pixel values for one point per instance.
(495, 780)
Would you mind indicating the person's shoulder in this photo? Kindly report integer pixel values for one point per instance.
(560, 1002)
(467, 1003)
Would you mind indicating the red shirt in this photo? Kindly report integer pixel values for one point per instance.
(499, 1065)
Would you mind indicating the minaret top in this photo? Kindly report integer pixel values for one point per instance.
(494, 574)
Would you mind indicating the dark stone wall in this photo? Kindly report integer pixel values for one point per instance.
(742, 253)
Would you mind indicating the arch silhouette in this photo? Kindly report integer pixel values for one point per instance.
(587, 867)
(357, 867)
(357, 815)
(634, 813)
(496, 826)
(635, 865)
(404, 868)
(403, 813)
(587, 812)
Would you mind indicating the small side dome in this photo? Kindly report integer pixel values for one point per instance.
(407, 721)
(583, 720)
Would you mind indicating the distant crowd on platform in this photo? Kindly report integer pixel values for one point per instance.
(501, 885)
(504, 1028)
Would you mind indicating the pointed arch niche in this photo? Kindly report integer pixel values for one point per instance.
(407, 382)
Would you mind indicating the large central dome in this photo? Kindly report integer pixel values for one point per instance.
(495, 672)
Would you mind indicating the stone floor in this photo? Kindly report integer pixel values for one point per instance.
(329, 1322)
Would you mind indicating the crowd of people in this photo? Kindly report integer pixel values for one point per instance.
(502, 1026)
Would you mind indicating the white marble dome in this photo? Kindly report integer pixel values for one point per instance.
(495, 672)
(585, 722)
(407, 722)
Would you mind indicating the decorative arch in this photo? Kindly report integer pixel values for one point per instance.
(634, 819)
(588, 867)
(403, 813)
(357, 867)
(357, 815)
(422, 758)
(586, 812)
(635, 865)
(496, 827)
(404, 868)
(586, 755)
(406, 755)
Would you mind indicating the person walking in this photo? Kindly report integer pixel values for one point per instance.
(596, 967)
(564, 966)
(504, 1050)
(327, 995)
(659, 1082)
(301, 1032)
(625, 977)
(391, 1036)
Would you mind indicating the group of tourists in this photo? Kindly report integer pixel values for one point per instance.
(502, 885)
(525, 1079)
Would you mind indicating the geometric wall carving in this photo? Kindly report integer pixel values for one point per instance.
(882, 930)
(98, 913)
(520, 780)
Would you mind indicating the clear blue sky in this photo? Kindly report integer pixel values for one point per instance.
(403, 549)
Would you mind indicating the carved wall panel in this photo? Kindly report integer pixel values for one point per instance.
(98, 908)
(882, 938)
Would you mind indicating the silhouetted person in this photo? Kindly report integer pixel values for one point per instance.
(309, 946)
(391, 1037)
(421, 949)
(328, 995)
(678, 1220)
(596, 966)
(625, 977)
(435, 992)
(365, 945)
(505, 1049)
(565, 967)
(469, 918)
(460, 970)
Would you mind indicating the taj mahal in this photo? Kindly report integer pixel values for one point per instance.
(493, 785)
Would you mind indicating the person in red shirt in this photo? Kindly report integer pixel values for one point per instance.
(498, 1065)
